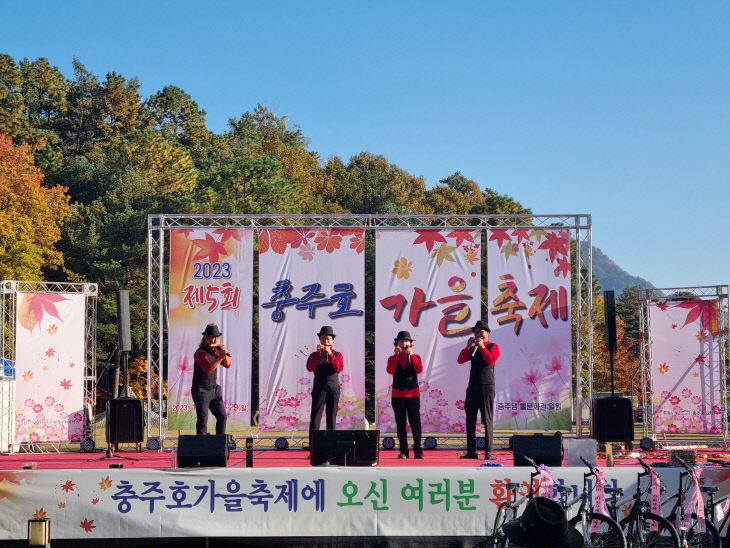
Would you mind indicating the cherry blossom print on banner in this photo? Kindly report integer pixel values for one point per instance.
(308, 278)
(528, 281)
(49, 367)
(685, 366)
(211, 281)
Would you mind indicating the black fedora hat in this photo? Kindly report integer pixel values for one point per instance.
(481, 325)
(211, 330)
(326, 330)
(404, 336)
(543, 524)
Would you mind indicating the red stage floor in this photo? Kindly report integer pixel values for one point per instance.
(288, 458)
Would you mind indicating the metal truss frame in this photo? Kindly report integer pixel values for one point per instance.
(157, 312)
(9, 290)
(647, 296)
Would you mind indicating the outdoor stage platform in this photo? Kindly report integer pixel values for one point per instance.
(451, 501)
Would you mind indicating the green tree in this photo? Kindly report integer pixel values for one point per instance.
(177, 115)
(627, 308)
(12, 105)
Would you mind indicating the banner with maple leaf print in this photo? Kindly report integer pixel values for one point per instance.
(528, 284)
(685, 366)
(427, 282)
(49, 367)
(309, 277)
(211, 281)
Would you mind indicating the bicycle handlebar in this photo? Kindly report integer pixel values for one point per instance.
(531, 463)
(589, 465)
(721, 462)
(644, 465)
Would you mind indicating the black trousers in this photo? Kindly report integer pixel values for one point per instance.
(212, 399)
(409, 408)
(479, 398)
(325, 396)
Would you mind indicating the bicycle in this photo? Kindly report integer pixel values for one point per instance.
(607, 533)
(510, 506)
(711, 504)
(638, 524)
(691, 536)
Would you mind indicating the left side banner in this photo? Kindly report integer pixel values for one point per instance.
(49, 367)
(308, 278)
(211, 281)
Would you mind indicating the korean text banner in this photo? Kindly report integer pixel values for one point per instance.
(529, 315)
(428, 282)
(309, 278)
(49, 367)
(211, 281)
(685, 366)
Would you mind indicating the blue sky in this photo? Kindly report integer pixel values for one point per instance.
(617, 109)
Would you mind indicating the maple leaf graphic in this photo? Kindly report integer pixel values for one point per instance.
(403, 268)
(68, 486)
(52, 329)
(461, 236)
(556, 243)
(301, 237)
(276, 239)
(521, 234)
(228, 233)
(27, 376)
(700, 358)
(209, 249)
(701, 335)
(95, 501)
(443, 253)
(87, 525)
(40, 513)
(562, 268)
(499, 235)
(105, 483)
(34, 305)
(705, 310)
(510, 250)
(471, 256)
(50, 352)
(328, 241)
(662, 306)
(663, 368)
(66, 384)
(429, 237)
(357, 242)
(62, 505)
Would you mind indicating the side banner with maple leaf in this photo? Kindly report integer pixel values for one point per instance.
(427, 282)
(685, 366)
(211, 281)
(528, 307)
(309, 277)
(50, 363)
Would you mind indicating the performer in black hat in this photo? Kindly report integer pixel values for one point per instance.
(326, 364)
(207, 394)
(405, 366)
(480, 391)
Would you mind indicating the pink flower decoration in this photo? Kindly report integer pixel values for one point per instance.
(674, 400)
(672, 428)
(696, 400)
(457, 427)
(716, 409)
(34, 436)
(435, 412)
(306, 252)
(423, 385)
(556, 365)
(666, 394)
(301, 396)
(38, 408)
(304, 380)
(282, 423)
(281, 392)
(76, 417)
(435, 393)
(459, 404)
(383, 404)
(293, 421)
(531, 377)
(29, 403)
(76, 436)
(50, 400)
(50, 430)
(443, 402)
(293, 402)
(349, 405)
(715, 429)
(686, 393)
(345, 377)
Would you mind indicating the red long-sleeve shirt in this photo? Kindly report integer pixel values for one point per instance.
(490, 356)
(336, 359)
(204, 359)
(401, 360)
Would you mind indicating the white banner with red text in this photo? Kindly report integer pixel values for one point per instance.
(427, 282)
(309, 278)
(686, 367)
(529, 315)
(282, 502)
(211, 281)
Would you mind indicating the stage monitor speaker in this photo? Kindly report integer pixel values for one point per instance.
(196, 451)
(543, 449)
(124, 333)
(125, 421)
(609, 309)
(344, 447)
(613, 419)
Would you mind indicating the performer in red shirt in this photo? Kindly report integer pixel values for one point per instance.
(326, 364)
(405, 366)
(480, 392)
(206, 392)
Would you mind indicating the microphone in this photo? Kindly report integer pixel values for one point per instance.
(474, 350)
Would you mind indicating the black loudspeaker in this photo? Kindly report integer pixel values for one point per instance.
(609, 309)
(613, 419)
(194, 451)
(344, 447)
(124, 334)
(125, 423)
(547, 450)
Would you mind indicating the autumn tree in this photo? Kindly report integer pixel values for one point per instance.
(30, 216)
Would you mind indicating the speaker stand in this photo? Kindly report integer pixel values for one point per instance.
(110, 455)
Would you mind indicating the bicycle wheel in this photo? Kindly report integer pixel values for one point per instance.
(639, 534)
(609, 535)
(709, 539)
(498, 538)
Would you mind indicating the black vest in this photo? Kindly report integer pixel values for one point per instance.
(404, 378)
(325, 372)
(201, 379)
(481, 373)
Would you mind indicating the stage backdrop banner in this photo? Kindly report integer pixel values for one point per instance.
(685, 366)
(427, 282)
(309, 277)
(528, 272)
(49, 367)
(211, 281)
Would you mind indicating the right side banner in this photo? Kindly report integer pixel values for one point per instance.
(528, 283)
(685, 366)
